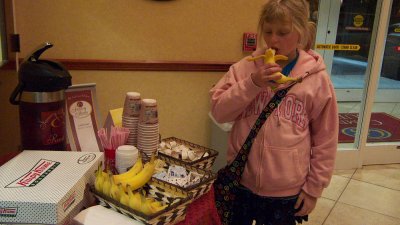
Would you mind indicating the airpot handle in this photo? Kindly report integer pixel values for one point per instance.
(34, 56)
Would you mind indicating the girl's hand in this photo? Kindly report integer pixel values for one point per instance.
(265, 76)
(309, 203)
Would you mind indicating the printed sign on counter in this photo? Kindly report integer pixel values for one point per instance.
(81, 104)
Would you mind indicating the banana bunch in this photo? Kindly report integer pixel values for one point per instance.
(124, 187)
(270, 57)
(137, 176)
(142, 176)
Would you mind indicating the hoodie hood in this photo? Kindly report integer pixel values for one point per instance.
(311, 60)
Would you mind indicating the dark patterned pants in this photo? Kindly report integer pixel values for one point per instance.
(265, 210)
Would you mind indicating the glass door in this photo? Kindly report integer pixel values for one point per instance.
(383, 142)
(351, 35)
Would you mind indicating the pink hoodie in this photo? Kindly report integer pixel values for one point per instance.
(296, 147)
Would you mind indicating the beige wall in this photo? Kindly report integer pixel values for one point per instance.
(177, 30)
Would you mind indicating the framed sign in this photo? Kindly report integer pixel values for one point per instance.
(82, 117)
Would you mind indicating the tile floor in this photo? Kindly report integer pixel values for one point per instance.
(366, 196)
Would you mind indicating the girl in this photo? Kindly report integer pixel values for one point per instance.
(292, 158)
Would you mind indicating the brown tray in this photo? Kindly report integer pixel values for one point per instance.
(175, 212)
(202, 163)
(196, 190)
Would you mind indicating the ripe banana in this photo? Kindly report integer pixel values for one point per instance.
(107, 184)
(145, 206)
(157, 206)
(270, 57)
(134, 199)
(150, 205)
(141, 178)
(139, 202)
(99, 180)
(135, 169)
(124, 197)
(114, 190)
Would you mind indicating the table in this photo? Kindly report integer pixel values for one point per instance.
(202, 211)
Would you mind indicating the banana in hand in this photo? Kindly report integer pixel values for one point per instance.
(270, 57)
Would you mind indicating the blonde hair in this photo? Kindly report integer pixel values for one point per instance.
(296, 11)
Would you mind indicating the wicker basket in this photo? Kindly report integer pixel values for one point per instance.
(176, 200)
(196, 190)
(202, 163)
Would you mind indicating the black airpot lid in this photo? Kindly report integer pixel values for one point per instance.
(38, 75)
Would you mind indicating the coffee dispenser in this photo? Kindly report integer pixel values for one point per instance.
(41, 100)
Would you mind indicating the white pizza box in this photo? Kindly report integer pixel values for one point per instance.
(46, 187)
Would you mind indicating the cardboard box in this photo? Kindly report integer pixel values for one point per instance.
(46, 187)
(114, 118)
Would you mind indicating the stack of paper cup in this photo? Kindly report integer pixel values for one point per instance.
(130, 116)
(148, 136)
(125, 157)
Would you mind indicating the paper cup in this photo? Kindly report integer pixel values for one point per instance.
(132, 104)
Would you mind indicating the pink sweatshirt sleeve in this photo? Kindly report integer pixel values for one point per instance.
(324, 136)
(231, 95)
